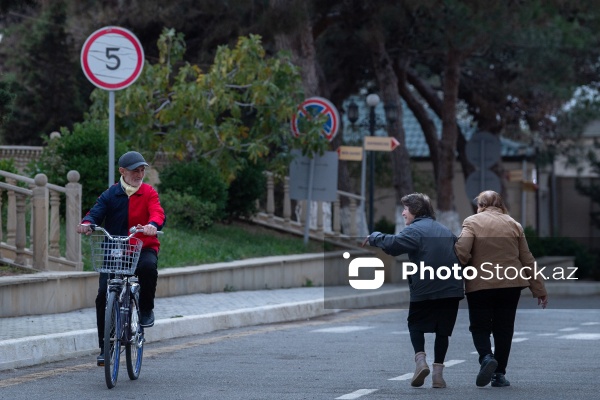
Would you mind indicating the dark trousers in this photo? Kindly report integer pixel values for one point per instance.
(147, 273)
(492, 312)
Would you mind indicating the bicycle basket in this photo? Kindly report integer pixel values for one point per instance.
(117, 256)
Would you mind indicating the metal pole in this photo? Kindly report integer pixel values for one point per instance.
(111, 138)
(311, 173)
(524, 195)
(363, 182)
(371, 168)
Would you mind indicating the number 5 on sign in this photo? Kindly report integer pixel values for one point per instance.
(112, 58)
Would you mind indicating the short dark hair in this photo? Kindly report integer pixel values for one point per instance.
(489, 198)
(418, 204)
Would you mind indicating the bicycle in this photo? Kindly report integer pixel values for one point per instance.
(118, 256)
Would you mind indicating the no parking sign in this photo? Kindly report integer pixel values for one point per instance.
(315, 106)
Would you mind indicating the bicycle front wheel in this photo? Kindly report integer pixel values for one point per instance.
(112, 340)
(134, 349)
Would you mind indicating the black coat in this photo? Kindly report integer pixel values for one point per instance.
(425, 240)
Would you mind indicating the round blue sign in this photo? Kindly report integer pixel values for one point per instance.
(314, 106)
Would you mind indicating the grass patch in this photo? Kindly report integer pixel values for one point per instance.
(221, 243)
(6, 270)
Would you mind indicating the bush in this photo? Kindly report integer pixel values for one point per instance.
(244, 190)
(385, 226)
(85, 150)
(186, 211)
(197, 179)
(585, 261)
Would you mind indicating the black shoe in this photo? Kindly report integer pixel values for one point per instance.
(100, 359)
(488, 366)
(147, 319)
(499, 380)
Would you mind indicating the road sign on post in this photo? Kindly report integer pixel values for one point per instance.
(379, 143)
(307, 109)
(350, 153)
(112, 58)
(484, 151)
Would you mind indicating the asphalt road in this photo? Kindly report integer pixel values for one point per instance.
(358, 354)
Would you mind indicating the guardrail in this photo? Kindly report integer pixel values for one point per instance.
(39, 202)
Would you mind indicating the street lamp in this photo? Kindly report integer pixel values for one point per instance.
(391, 114)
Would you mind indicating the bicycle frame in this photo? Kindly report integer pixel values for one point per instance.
(118, 257)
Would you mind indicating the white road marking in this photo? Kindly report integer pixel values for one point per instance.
(547, 334)
(343, 329)
(581, 336)
(590, 323)
(521, 333)
(521, 339)
(568, 329)
(402, 377)
(400, 332)
(408, 376)
(453, 362)
(356, 394)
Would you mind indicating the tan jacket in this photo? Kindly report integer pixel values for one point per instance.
(495, 245)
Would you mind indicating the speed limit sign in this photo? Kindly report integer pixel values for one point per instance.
(112, 58)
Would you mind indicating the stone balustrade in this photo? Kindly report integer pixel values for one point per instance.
(36, 244)
(330, 220)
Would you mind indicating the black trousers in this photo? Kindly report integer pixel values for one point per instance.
(147, 273)
(492, 312)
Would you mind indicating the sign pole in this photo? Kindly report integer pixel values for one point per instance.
(311, 173)
(112, 58)
(111, 138)
(363, 178)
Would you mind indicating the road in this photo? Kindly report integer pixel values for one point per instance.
(357, 354)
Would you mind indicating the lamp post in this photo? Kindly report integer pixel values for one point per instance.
(372, 101)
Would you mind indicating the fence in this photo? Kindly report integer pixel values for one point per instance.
(330, 220)
(39, 202)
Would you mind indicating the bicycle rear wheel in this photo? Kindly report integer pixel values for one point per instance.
(112, 341)
(134, 349)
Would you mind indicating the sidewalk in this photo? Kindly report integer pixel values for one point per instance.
(32, 340)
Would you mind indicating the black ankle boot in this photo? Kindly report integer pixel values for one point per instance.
(488, 366)
(499, 380)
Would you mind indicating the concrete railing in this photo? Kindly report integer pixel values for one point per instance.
(330, 220)
(40, 203)
(20, 155)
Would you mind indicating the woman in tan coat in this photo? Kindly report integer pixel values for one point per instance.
(495, 245)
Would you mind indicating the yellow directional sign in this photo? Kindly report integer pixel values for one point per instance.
(350, 153)
(378, 143)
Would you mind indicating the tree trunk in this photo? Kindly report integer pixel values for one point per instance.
(388, 87)
(300, 43)
(445, 190)
(420, 113)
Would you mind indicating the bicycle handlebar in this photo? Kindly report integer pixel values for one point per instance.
(132, 231)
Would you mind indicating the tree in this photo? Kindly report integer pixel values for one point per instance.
(237, 109)
(45, 92)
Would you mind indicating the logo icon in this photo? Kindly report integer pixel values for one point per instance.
(365, 262)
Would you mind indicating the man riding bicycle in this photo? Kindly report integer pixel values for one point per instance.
(127, 203)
